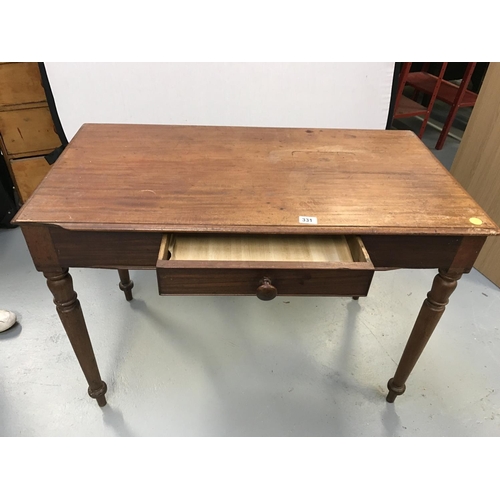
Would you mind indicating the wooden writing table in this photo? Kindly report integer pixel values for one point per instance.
(250, 211)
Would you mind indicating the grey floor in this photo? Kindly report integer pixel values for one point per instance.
(186, 366)
(236, 366)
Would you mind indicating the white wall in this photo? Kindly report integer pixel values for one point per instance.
(330, 95)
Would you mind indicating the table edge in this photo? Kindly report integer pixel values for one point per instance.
(309, 229)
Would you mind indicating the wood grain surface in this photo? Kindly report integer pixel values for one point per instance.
(255, 180)
(20, 83)
(326, 281)
(269, 248)
(476, 164)
(29, 172)
(28, 131)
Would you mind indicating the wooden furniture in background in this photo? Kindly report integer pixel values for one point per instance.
(456, 96)
(477, 164)
(27, 132)
(406, 107)
(351, 202)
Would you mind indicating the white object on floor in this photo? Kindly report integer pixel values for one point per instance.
(7, 319)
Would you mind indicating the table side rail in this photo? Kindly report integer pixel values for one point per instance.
(54, 247)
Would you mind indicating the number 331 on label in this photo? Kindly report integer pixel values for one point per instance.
(308, 220)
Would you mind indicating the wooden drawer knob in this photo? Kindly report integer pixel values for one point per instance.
(266, 290)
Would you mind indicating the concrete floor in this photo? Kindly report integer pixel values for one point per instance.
(236, 366)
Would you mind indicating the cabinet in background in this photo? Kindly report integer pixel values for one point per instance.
(27, 131)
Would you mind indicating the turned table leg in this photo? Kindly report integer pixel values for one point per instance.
(68, 307)
(126, 284)
(432, 309)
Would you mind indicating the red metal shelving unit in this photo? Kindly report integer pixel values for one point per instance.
(457, 96)
(406, 107)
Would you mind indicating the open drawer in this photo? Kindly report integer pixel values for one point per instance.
(263, 265)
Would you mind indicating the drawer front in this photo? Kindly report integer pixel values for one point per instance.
(20, 83)
(265, 266)
(27, 131)
(28, 173)
(246, 281)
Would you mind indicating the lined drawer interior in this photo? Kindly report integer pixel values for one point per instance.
(262, 248)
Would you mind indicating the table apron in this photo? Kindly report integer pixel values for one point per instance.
(140, 249)
(106, 249)
(53, 247)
